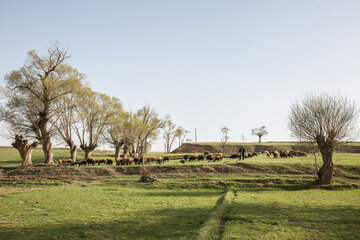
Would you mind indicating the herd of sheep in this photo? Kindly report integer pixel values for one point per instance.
(186, 158)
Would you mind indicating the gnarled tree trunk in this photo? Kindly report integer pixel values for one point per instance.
(326, 147)
(88, 150)
(325, 173)
(25, 150)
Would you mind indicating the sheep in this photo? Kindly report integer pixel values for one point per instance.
(166, 158)
(108, 162)
(201, 157)
(90, 161)
(160, 160)
(210, 157)
(102, 161)
(267, 153)
(276, 154)
(183, 160)
(118, 161)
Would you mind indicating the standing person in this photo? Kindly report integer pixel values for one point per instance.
(242, 152)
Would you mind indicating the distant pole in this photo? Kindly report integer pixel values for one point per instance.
(195, 136)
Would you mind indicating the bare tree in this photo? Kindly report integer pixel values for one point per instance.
(259, 132)
(33, 91)
(181, 134)
(169, 134)
(224, 138)
(326, 120)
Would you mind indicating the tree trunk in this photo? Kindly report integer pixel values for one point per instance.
(325, 173)
(117, 152)
(48, 152)
(73, 152)
(88, 153)
(259, 139)
(25, 150)
(126, 150)
(27, 157)
(88, 150)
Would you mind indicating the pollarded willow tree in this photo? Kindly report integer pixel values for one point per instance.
(66, 119)
(149, 124)
(260, 132)
(93, 113)
(326, 120)
(32, 93)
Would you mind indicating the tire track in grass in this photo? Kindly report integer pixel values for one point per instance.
(211, 229)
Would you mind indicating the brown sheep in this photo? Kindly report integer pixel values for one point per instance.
(118, 161)
(83, 162)
(210, 157)
(160, 160)
(267, 153)
(90, 161)
(276, 154)
(167, 158)
(192, 158)
(102, 161)
(183, 160)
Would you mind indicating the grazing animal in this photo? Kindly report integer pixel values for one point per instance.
(201, 157)
(193, 158)
(276, 154)
(160, 160)
(118, 161)
(101, 161)
(183, 160)
(283, 154)
(218, 157)
(90, 161)
(108, 162)
(166, 158)
(83, 162)
(207, 153)
(210, 157)
(267, 153)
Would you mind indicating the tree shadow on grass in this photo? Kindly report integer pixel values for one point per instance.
(172, 193)
(182, 223)
(261, 218)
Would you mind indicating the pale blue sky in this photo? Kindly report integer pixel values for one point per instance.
(208, 64)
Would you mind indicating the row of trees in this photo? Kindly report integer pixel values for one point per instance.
(48, 99)
(260, 132)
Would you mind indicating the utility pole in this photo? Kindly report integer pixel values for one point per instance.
(195, 136)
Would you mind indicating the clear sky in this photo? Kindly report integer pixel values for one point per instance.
(207, 63)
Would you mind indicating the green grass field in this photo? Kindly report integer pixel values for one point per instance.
(274, 199)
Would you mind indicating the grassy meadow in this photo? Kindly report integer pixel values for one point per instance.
(258, 198)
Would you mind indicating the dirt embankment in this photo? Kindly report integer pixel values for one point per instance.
(61, 172)
(199, 148)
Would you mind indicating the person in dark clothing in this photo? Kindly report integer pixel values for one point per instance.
(242, 152)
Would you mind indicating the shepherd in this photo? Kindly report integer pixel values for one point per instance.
(242, 153)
